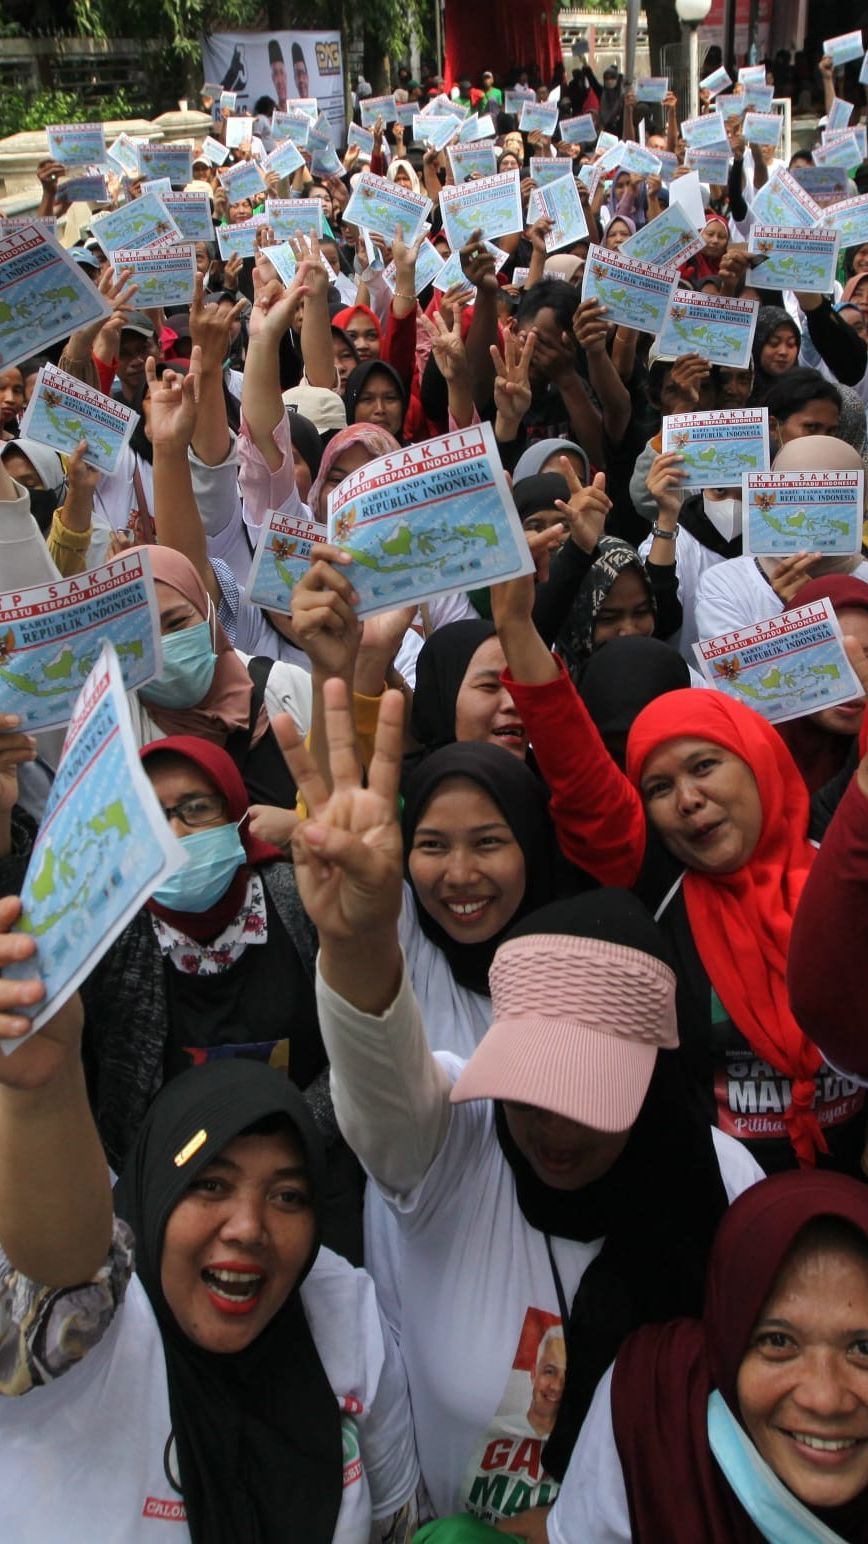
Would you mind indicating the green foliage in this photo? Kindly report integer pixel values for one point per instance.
(20, 110)
(180, 22)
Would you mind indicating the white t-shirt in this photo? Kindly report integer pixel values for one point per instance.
(592, 1507)
(736, 592)
(477, 1298)
(90, 1457)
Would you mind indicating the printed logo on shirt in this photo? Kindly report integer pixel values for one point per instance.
(752, 1097)
(163, 1511)
(507, 1476)
(352, 1452)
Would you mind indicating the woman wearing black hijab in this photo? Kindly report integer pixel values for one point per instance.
(456, 869)
(375, 394)
(240, 1382)
(458, 694)
(621, 679)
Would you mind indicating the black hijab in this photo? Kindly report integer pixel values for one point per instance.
(769, 319)
(622, 677)
(440, 669)
(523, 801)
(258, 1432)
(656, 1208)
(357, 379)
(306, 439)
(533, 494)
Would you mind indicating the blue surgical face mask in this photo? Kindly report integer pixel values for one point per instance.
(213, 859)
(189, 663)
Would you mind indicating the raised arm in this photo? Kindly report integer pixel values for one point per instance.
(316, 328)
(830, 933)
(210, 329)
(174, 407)
(590, 329)
(275, 310)
(55, 1195)
(391, 1096)
(597, 813)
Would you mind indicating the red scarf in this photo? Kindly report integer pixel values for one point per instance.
(741, 922)
(664, 1373)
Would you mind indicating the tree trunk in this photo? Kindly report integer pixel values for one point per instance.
(378, 68)
(663, 27)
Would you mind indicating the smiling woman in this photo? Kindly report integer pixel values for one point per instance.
(766, 1399)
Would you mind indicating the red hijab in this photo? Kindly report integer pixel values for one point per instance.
(664, 1373)
(741, 922)
(220, 769)
(343, 318)
(818, 754)
(703, 265)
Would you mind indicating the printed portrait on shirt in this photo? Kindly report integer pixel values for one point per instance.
(507, 1476)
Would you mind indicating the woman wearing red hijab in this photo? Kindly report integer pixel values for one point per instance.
(751, 1424)
(706, 264)
(710, 826)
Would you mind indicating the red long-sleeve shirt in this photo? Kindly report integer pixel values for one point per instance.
(829, 942)
(597, 813)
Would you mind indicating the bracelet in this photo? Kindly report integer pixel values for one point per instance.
(657, 530)
(397, 295)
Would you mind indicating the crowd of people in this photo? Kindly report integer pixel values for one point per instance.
(470, 1138)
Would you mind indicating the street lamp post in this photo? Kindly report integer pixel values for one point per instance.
(691, 14)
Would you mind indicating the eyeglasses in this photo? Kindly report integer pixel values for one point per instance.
(198, 809)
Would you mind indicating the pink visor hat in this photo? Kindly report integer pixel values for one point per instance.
(577, 1024)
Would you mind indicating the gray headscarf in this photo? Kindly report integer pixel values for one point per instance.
(535, 457)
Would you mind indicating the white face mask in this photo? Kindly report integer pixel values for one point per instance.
(724, 514)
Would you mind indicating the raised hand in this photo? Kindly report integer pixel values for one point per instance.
(477, 264)
(43, 1056)
(174, 402)
(791, 573)
(275, 308)
(591, 326)
(512, 388)
(447, 344)
(323, 618)
(211, 327)
(349, 855)
(586, 510)
(689, 374)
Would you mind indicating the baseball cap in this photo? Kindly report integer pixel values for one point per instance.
(140, 322)
(324, 408)
(582, 1000)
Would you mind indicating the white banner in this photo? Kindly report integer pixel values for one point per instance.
(280, 65)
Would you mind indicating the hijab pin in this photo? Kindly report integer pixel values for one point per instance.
(189, 1148)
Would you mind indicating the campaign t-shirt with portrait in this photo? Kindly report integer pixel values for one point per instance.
(89, 1454)
(473, 1298)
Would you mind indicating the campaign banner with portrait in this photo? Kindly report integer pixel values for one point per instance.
(282, 65)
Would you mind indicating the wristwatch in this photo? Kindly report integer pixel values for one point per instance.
(657, 530)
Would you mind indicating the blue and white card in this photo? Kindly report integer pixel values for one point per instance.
(428, 520)
(453, 273)
(758, 99)
(239, 239)
(668, 240)
(849, 219)
(717, 448)
(52, 634)
(172, 161)
(784, 667)
(492, 205)
(474, 129)
(469, 161)
(282, 557)
(192, 214)
(846, 152)
(717, 81)
(545, 168)
(795, 259)
(103, 847)
(284, 159)
(44, 295)
(228, 101)
(292, 125)
(839, 114)
(636, 295)
(383, 207)
(711, 165)
(124, 154)
(639, 161)
(138, 224)
(844, 47)
(752, 75)
(372, 108)
(308, 105)
(429, 265)
(164, 278)
(703, 131)
(718, 328)
(242, 181)
(214, 152)
(76, 144)
(825, 184)
(538, 118)
(436, 132)
(361, 137)
(87, 187)
(63, 411)
(559, 202)
(782, 201)
(785, 513)
(763, 128)
(579, 131)
(651, 88)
